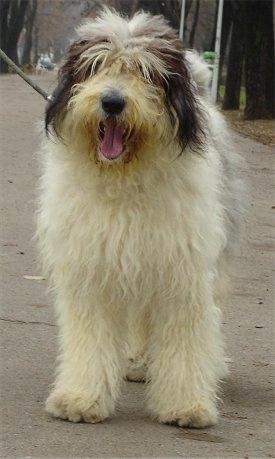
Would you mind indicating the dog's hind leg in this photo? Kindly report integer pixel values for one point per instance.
(138, 332)
(137, 368)
(186, 359)
(92, 363)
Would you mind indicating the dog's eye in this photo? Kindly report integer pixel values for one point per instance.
(151, 76)
(145, 72)
(96, 65)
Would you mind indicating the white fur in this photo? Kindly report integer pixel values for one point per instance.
(137, 252)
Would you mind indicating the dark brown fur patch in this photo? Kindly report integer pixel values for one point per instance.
(181, 101)
(67, 77)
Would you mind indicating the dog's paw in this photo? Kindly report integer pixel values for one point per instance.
(199, 416)
(136, 371)
(74, 408)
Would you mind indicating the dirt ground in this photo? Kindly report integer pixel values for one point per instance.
(28, 331)
(261, 130)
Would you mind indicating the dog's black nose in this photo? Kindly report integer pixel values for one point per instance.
(113, 103)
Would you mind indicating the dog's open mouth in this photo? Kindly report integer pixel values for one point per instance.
(112, 138)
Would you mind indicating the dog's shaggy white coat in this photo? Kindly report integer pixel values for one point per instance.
(137, 249)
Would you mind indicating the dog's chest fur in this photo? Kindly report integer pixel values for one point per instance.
(133, 234)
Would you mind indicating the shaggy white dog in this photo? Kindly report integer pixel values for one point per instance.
(139, 208)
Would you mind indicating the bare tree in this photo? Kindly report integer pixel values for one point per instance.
(12, 13)
(228, 14)
(259, 59)
(213, 37)
(30, 17)
(54, 25)
(194, 24)
(234, 73)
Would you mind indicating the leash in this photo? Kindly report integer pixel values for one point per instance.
(24, 76)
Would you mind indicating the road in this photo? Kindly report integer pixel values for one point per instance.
(28, 331)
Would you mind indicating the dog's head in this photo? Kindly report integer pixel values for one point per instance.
(125, 87)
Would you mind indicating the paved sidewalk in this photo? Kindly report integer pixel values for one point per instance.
(28, 332)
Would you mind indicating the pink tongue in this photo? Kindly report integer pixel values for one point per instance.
(112, 144)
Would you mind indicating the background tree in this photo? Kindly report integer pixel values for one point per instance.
(171, 9)
(247, 47)
(213, 35)
(227, 19)
(12, 14)
(259, 59)
(30, 17)
(194, 24)
(234, 72)
(54, 22)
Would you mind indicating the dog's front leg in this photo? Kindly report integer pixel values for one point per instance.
(186, 360)
(91, 363)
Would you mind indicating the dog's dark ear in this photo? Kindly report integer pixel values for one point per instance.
(67, 77)
(56, 108)
(181, 99)
(183, 105)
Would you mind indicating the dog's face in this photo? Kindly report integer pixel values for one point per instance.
(124, 87)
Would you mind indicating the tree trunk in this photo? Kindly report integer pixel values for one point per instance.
(16, 22)
(213, 38)
(194, 25)
(4, 9)
(228, 13)
(235, 63)
(259, 59)
(26, 56)
(12, 21)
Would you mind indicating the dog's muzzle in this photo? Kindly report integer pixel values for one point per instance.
(112, 130)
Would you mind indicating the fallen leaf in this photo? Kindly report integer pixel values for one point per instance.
(34, 277)
(200, 436)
